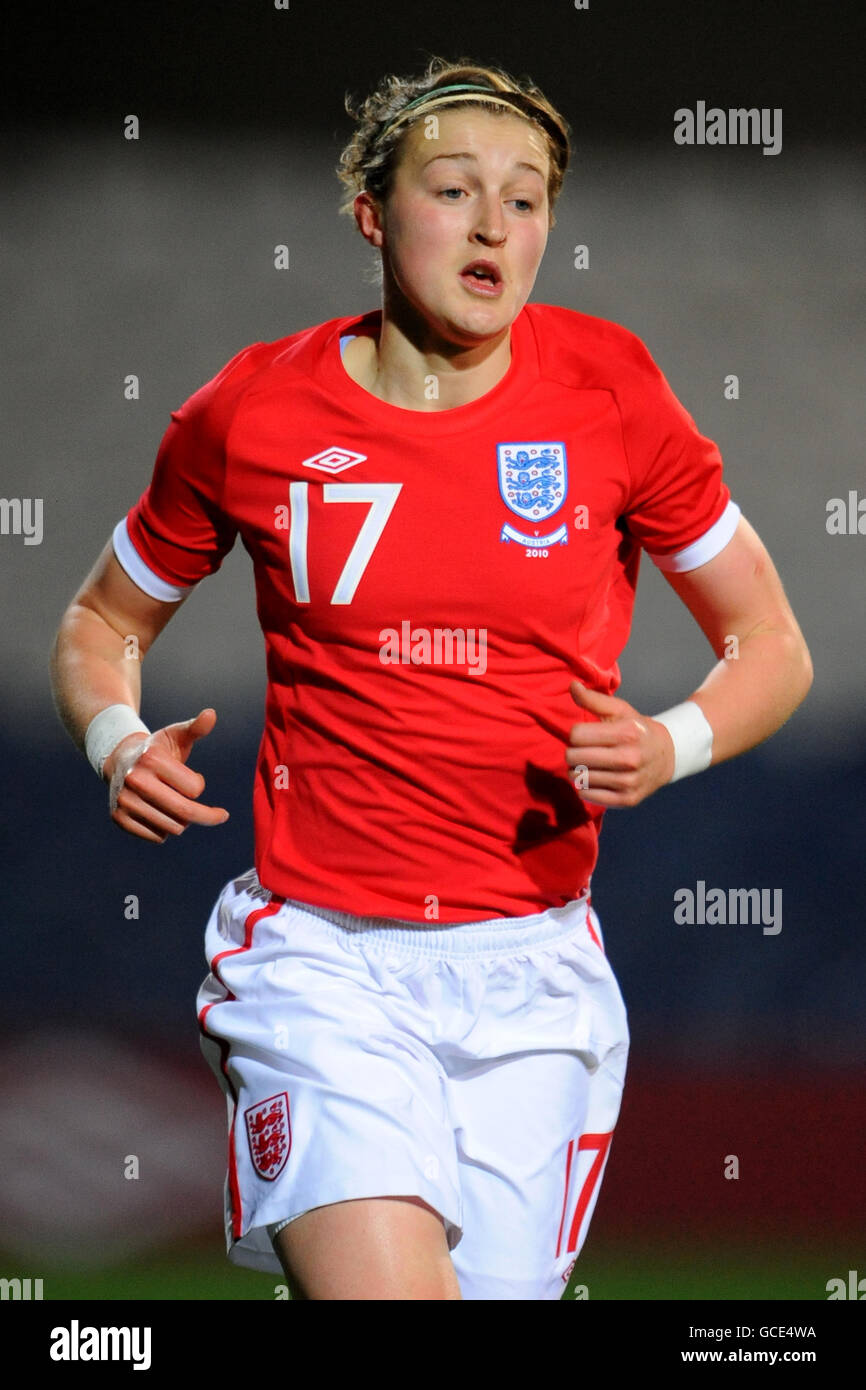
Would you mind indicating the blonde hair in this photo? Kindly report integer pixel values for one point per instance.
(368, 162)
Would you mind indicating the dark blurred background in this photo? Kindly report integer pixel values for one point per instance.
(155, 257)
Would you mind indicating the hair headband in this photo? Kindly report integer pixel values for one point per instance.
(474, 92)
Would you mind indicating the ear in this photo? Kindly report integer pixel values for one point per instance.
(368, 216)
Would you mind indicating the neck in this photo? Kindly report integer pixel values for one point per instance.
(411, 367)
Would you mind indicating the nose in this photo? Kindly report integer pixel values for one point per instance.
(490, 224)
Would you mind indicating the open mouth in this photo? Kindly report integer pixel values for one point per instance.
(483, 276)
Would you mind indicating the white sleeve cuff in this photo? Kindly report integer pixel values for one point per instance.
(705, 548)
(140, 573)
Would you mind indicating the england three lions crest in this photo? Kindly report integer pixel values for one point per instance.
(269, 1134)
(533, 481)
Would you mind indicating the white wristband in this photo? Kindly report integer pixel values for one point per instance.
(692, 734)
(106, 730)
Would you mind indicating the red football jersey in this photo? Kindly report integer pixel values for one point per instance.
(428, 583)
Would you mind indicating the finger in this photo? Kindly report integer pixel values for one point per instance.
(595, 735)
(589, 736)
(133, 826)
(168, 769)
(170, 803)
(141, 825)
(602, 798)
(615, 759)
(185, 734)
(146, 813)
(610, 788)
(616, 778)
(605, 706)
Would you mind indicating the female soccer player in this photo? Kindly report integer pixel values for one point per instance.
(445, 500)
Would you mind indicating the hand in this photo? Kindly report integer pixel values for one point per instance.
(152, 793)
(625, 758)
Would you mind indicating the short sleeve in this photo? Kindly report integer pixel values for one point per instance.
(178, 532)
(679, 507)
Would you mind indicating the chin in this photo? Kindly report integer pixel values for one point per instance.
(483, 321)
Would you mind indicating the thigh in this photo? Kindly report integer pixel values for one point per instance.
(379, 1248)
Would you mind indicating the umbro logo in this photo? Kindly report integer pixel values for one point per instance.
(333, 459)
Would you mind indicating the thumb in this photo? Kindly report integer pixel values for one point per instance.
(184, 734)
(605, 706)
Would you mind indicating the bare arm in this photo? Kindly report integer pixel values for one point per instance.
(96, 661)
(764, 672)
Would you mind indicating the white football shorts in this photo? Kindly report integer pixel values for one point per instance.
(478, 1066)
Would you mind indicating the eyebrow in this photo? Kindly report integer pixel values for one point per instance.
(466, 154)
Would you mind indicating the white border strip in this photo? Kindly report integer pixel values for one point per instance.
(140, 573)
(705, 548)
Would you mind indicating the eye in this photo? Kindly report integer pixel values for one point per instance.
(451, 190)
(528, 205)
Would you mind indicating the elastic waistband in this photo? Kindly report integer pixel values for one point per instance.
(495, 936)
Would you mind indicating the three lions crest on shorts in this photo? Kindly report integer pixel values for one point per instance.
(269, 1132)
